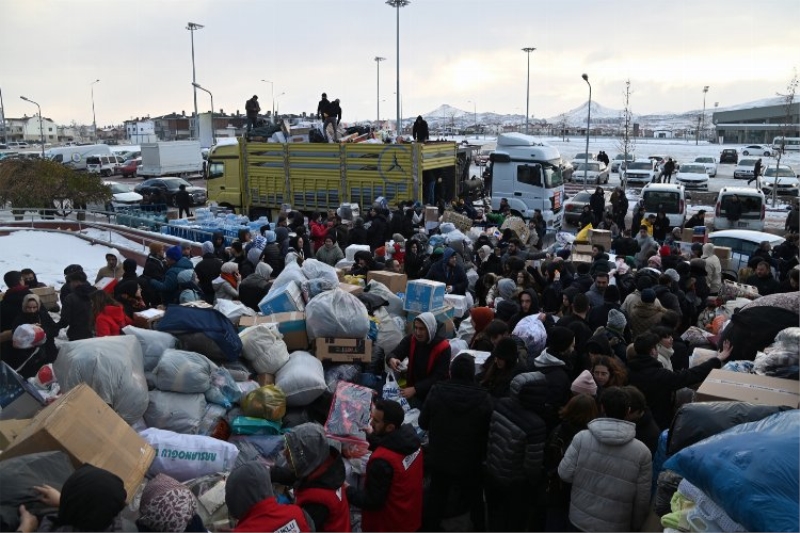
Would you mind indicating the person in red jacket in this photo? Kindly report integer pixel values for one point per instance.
(250, 501)
(392, 496)
(319, 229)
(109, 315)
(317, 473)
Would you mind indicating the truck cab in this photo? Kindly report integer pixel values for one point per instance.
(528, 173)
(223, 175)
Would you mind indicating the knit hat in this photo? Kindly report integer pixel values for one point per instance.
(129, 266)
(270, 235)
(559, 339)
(156, 247)
(630, 261)
(506, 309)
(174, 253)
(664, 251)
(463, 367)
(648, 296)
(616, 321)
(671, 272)
(481, 316)
(584, 384)
(506, 287)
(506, 350)
(654, 262)
(166, 505)
(208, 247)
(71, 269)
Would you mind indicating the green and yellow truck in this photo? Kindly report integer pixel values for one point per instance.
(257, 178)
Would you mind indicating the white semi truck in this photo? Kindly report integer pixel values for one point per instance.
(174, 158)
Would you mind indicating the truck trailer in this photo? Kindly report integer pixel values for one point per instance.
(175, 158)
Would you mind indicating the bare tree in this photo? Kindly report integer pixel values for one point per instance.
(627, 143)
(788, 100)
(562, 125)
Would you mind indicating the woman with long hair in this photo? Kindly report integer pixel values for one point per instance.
(109, 315)
(608, 372)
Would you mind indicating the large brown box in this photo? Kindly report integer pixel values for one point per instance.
(721, 385)
(431, 214)
(10, 429)
(291, 325)
(600, 236)
(47, 295)
(83, 426)
(344, 350)
(394, 282)
(355, 290)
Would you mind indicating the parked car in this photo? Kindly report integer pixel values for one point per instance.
(128, 168)
(581, 158)
(744, 168)
(710, 163)
(105, 165)
(169, 187)
(785, 178)
(752, 206)
(573, 207)
(3, 146)
(743, 243)
(641, 171)
(596, 172)
(757, 149)
(729, 155)
(616, 163)
(693, 176)
(122, 197)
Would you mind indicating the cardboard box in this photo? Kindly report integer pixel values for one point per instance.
(83, 426)
(585, 249)
(442, 316)
(431, 214)
(147, 319)
(394, 282)
(265, 379)
(47, 295)
(423, 295)
(687, 234)
(287, 299)
(291, 325)
(462, 222)
(18, 398)
(344, 350)
(355, 290)
(458, 303)
(580, 258)
(722, 385)
(723, 252)
(9, 430)
(600, 236)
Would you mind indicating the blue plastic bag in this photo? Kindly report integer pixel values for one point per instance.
(750, 470)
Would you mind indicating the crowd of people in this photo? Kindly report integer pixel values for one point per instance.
(555, 431)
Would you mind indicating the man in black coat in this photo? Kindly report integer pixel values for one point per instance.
(207, 270)
(763, 280)
(252, 108)
(448, 271)
(598, 205)
(420, 129)
(183, 200)
(456, 415)
(76, 315)
(322, 105)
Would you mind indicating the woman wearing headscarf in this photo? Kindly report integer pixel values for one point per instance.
(90, 500)
(168, 505)
(226, 286)
(28, 361)
(489, 261)
(414, 259)
(480, 317)
(253, 289)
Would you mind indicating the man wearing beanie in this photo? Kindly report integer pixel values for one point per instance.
(428, 357)
(598, 315)
(617, 332)
(168, 288)
(646, 313)
(456, 416)
(584, 384)
(552, 363)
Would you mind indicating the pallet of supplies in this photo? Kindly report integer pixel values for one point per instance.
(462, 222)
(518, 226)
(424, 295)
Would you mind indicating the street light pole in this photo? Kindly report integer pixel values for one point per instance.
(378, 64)
(198, 86)
(397, 4)
(41, 128)
(94, 117)
(3, 118)
(703, 116)
(276, 98)
(191, 26)
(528, 51)
(588, 126)
(272, 96)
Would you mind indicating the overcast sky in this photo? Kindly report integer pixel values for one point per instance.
(454, 52)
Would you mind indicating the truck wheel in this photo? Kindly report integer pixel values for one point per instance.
(230, 207)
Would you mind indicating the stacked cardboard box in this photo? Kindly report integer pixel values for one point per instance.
(721, 385)
(394, 282)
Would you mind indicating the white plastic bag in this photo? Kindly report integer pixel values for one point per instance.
(391, 391)
(301, 378)
(456, 347)
(232, 309)
(336, 314)
(466, 330)
(153, 342)
(318, 270)
(291, 272)
(174, 411)
(28, 336)
(181, 371)
(350, 251)
(390, 330)
(264, 348)
(472, 278)
(395, 306)
(186, 457)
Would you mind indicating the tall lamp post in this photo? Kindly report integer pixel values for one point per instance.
(475, 113)
(588, 125)
(41, 128)
(276, 98)
(703, 116)
(397, 4)
(94, 117)
(378, 64)
(528, 51)
(192, 26)
(198, 86)
(272, 96)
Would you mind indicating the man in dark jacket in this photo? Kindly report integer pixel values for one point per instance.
(316, 470)
(420, 129)
(733, 211)
(698, 219)
(448, 271)
(333, 116)
(169, 287)
(659, 384)
(515, 452)
(763, 280)
(598, 205)
(793, 219)
(322, 106)
(669, 168)
(756, 173)
(76, 315)
(252, 108)
(456, 416)
(218, 240)
(377, 231)
(428, 359)
(183, 200)
(552, 363)
(11, 306)
(392, 496)
(207, 270)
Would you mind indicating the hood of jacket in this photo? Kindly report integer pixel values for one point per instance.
(535, 308)
(645, 311)
(430, 324)
(403, 440)
(207, 248)
(185, 276)
(612, 432)
(263, 270)
(84, 290)
(546, 359)
(247, 485)
(530, 389)
(308, 447)
(461, 397)
(599, 343)
(506, 287)
(708, 250)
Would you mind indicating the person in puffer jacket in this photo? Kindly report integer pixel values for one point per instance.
(552, 362)
(609, 469)
(713, 268)
(318, 475)
(109, 315)
(515, 453)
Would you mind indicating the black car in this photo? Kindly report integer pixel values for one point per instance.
(169, 187)
(729, 155)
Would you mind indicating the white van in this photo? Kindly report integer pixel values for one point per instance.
(105, 165)
(75, 156)
(669, 197)
(753, 209)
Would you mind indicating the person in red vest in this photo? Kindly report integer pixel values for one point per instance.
(392, 496)
(250, 500)
(428, 359)
(316, 470)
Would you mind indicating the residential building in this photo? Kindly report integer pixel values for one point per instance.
(27, 129)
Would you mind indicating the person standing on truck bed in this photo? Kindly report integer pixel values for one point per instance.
(420, 130)
(333, 115)
(252, 108)
(322, 106)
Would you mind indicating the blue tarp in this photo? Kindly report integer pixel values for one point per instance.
(210, 322)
